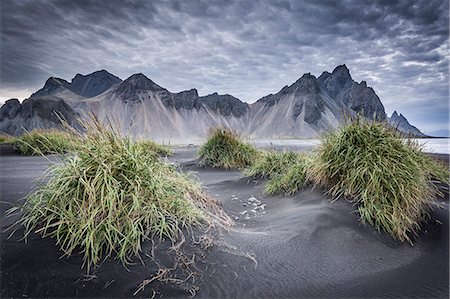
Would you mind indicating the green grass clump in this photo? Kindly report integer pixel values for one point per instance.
(286, 171)
(392, 182)
(291, 179)
(5, 138)
(159, 149)
(40, 141)
(111, 195)
(271, 163)
(225, 149)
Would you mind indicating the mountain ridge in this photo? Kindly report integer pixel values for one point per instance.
(84, 86)
(306, 108)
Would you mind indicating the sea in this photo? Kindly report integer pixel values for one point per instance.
(430, 145)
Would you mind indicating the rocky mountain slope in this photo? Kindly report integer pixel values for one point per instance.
(36, 112)
(142, 108)
(401, 123)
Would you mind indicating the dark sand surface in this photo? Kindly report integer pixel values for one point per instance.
(299, 246)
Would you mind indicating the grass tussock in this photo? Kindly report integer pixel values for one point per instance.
(226, 149)
(271, 163)
(41, 141)
(286, 171)
(112, 195)
(390, 179)
(5, 138)
(294, 178)
(150, 145)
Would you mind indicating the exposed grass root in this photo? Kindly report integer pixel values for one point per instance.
(226, 149)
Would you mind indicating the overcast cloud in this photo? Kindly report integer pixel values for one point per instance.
(244, 48)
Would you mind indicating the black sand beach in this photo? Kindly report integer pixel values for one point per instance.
(281, 247)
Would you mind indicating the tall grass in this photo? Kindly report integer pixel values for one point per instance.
(226, 149)
(43, 141)
(294, 178)
(286, 171)
(5, 138)
(150, 145)
(112, 195)
(271, 163)
(392, 182)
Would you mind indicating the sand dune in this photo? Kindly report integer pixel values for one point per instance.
(281, 247)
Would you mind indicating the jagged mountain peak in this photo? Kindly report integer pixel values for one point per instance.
(55, 80)
(35, 112)
(225, 104)
(51, 86)
(132, 88)
(398, 116)
(400, 122)
(341, 69)
(192, 91)
(141, 82)
(84, 86)
(323, 77)
(307, 83)
(307, 76)
(224, 96)
(305, 108)
(9, 109)
(96, 74)
(338, 81)
(93, 84)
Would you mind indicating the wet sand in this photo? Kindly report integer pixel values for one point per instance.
(282, 247)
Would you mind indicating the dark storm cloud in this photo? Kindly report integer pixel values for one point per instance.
(246, 48)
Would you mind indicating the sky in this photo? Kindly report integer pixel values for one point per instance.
(245, 48)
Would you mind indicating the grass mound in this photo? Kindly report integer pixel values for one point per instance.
(390, 179)
(40, 141)
(111, 196)
(225, 149)
(286, 171)
(159, 149)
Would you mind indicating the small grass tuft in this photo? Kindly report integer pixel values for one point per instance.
(150, 145)
(291, 179)
(113, 194)
(5, 138)
(271, 163)
(40, 142)
(391, 180)
(286, 171)
(225, 149)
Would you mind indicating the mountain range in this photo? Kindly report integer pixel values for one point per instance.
(142, 108)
